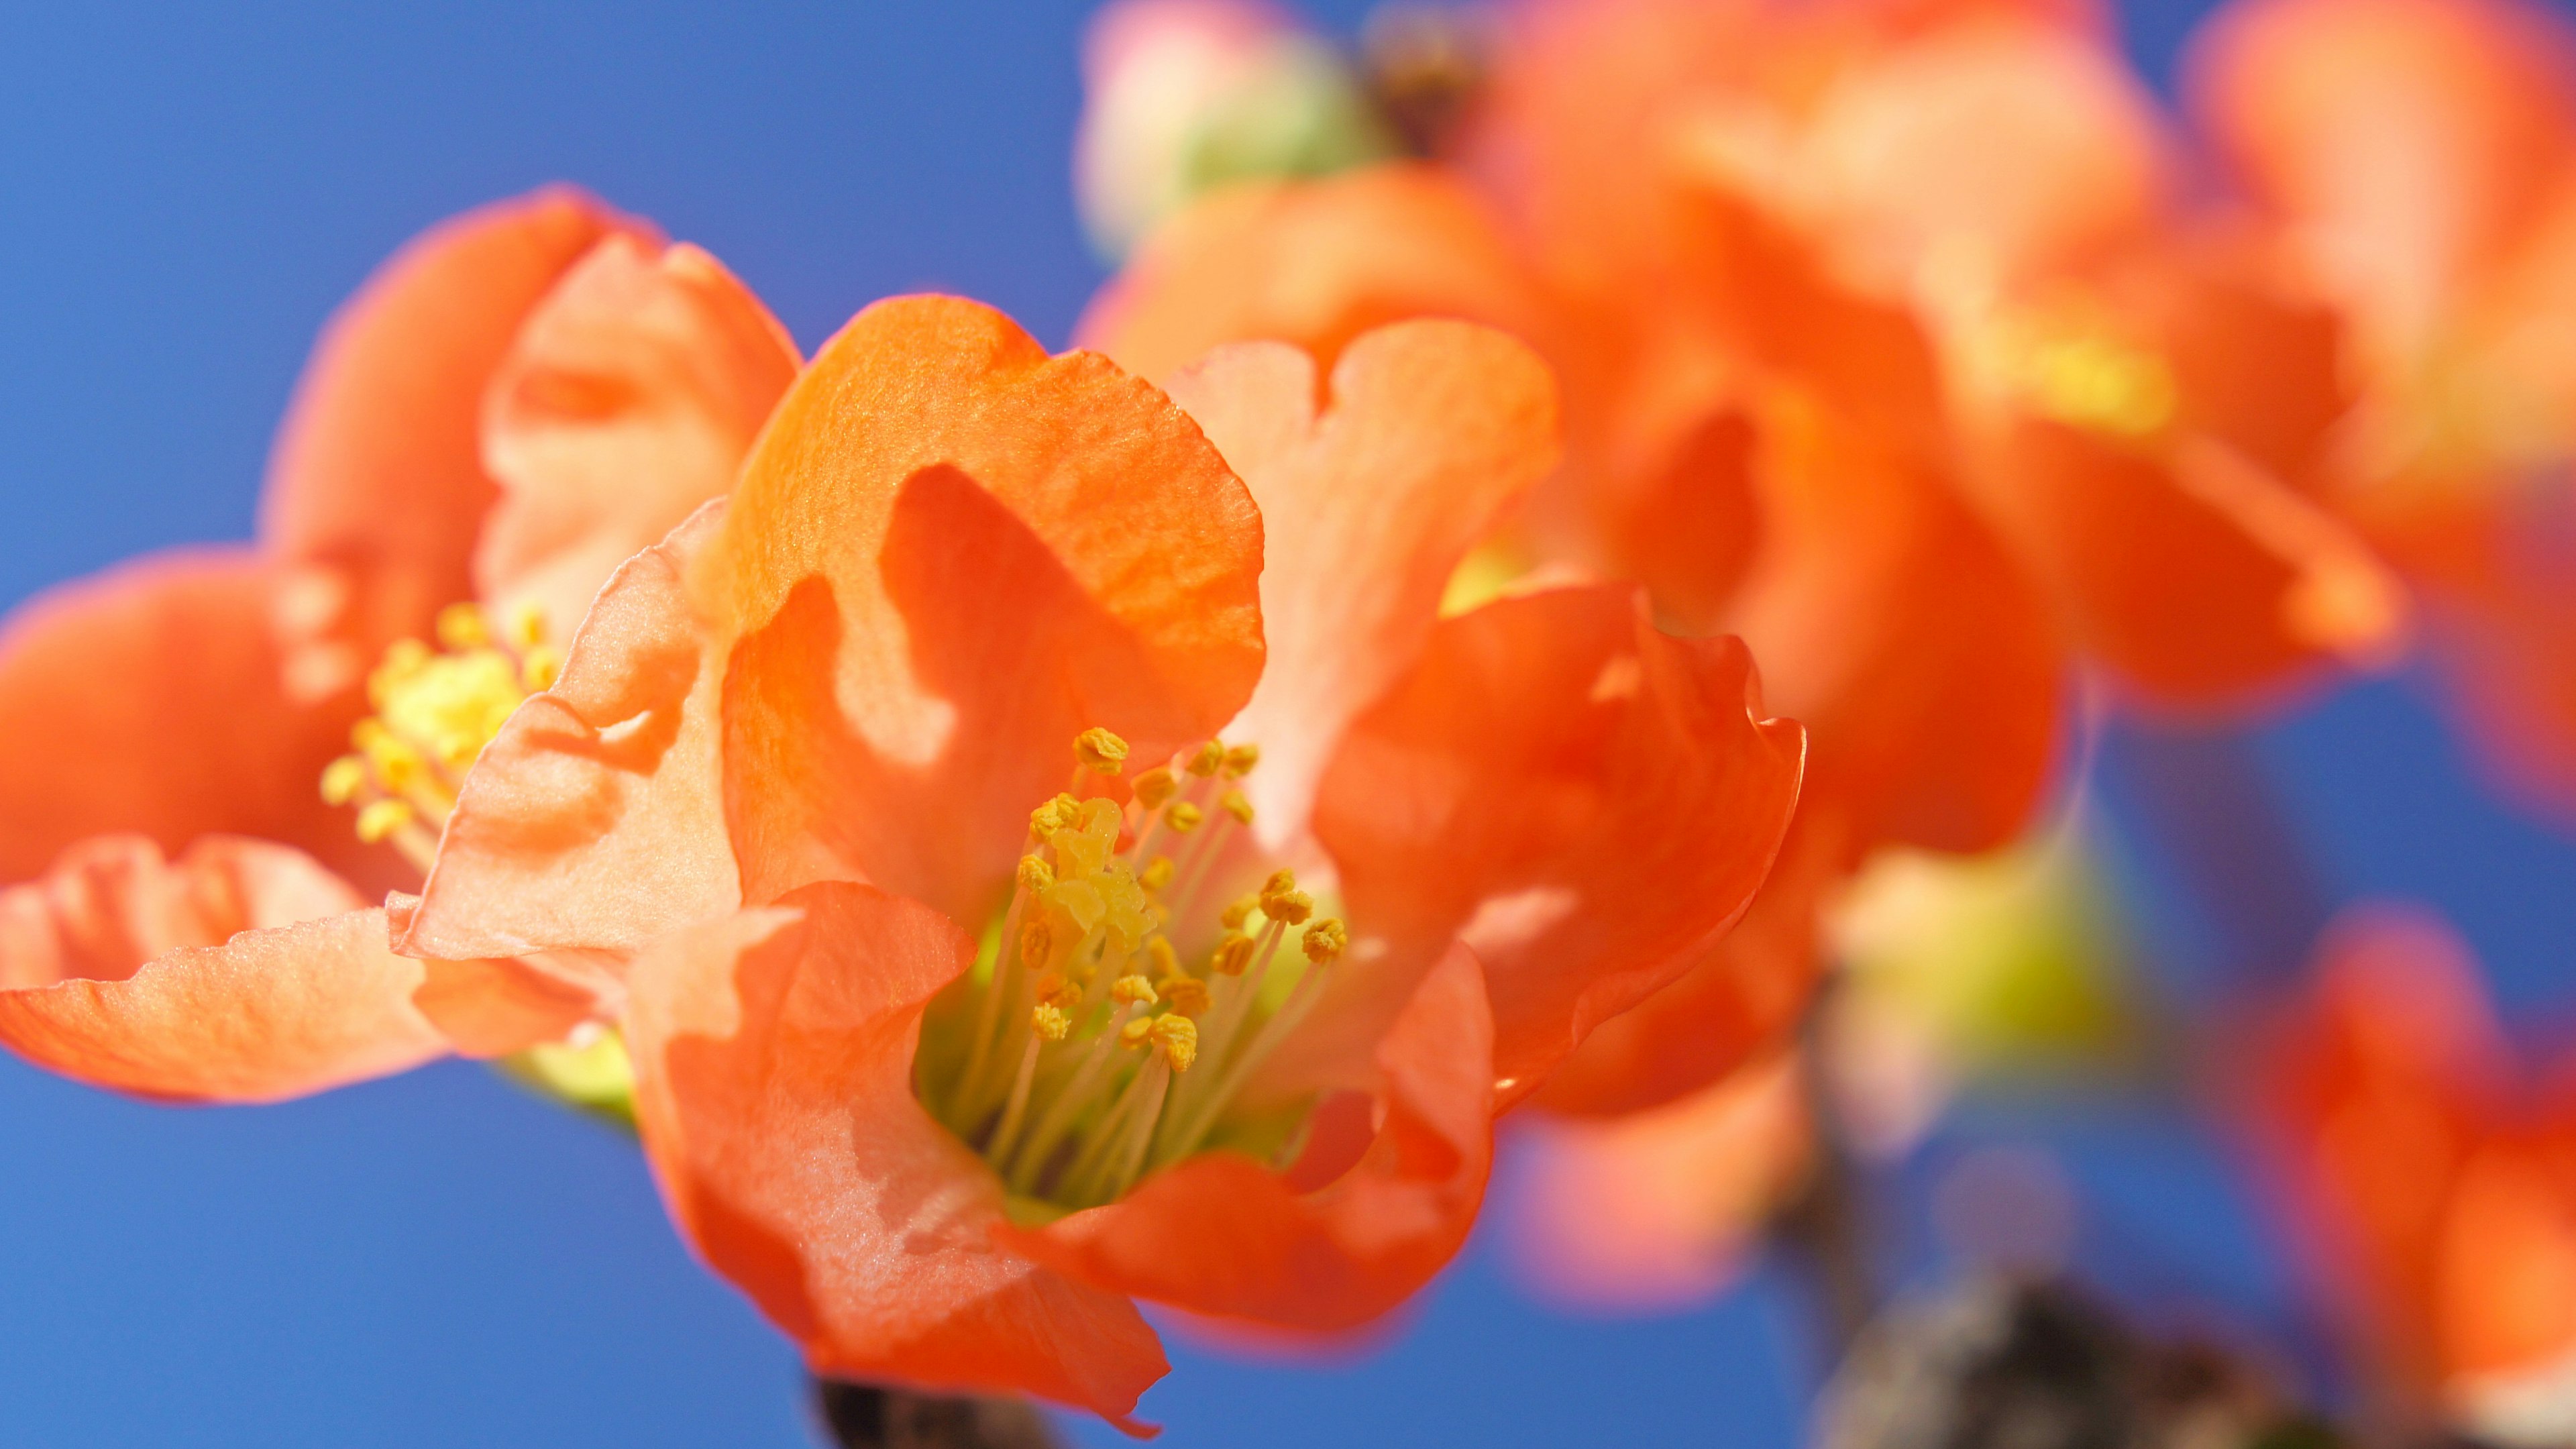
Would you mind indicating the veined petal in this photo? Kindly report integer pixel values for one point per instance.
(949, 555)
(376, 487)
(1315, 263)
(147, 699)
(1431, 429)
(773, 1053)
(241, 972)
(1586, 801)
(1224, 1236)
(630, 398)
(595, 820)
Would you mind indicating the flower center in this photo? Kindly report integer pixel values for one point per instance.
(2073, 369)
(1119, 1005)
(435, 711)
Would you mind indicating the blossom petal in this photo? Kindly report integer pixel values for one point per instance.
(1431, 429)
(595, 820)
(773, 1054)
(241, 972)
(1587, 800)
(376, 487)
(949, 555)
(1896, 627)
(1311, 262)
(2408, 140)
(146, 699)
(630, 398)
(1223, 1236)
(1744, 996)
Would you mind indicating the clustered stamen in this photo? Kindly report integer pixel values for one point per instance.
(435, 710)
(1096, 1052)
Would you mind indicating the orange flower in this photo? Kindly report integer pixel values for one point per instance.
(2419, 158)
(2434, 1181)
(1234, 1036)
(519, 399)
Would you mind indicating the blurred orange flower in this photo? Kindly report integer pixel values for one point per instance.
(2431, 1178)
(1234, 1038)
(2418, 159)
(520, 398)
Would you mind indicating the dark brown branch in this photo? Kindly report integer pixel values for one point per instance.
(869, 1416)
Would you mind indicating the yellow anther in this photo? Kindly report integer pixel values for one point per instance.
(1239, 760)
(403, 659)
(1178, 1036)
(528, 626)
(1036, 939)
(1188, 995)
(1325, 941)
(1166, 960)
(1232, 955)
(1155, 786)
(1184, 817)
(382, 818)
(1057, 990)
(1132, 991)
(540, 667)
(1157, 873)
(1238, 805)
(460, 626)
(1035, 874)
(342, 779)
(1100, 751)
(1134, 1033)
(1053, 816)
(1238, 911)
(1050, 1021)
(1281, 901)
(1207, 759)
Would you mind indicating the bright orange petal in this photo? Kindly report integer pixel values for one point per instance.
(773, 1054)
(147, 699)
(1223, 1236)
(241, 972)
(2409, 140)
(1743, 997)
(1314, 263)
(1896, 627)
(1430, 430)
(949, 555)
(376, 487)
(596, 819)
(1585, 800)
(631, 397)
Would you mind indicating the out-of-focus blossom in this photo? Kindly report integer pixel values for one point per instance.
(1171, 1071)
(2430, 1176)
(2419, 159)
(1188, 95)
(517, 400)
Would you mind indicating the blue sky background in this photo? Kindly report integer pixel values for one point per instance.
(438, 1261)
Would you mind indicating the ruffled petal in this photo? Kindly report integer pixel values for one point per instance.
(1586, 801)
(630, 398)
(1315, 263)
(1430, 430)
(949, 555)
(376, 487)
(773, 1053)
(1223, 1236)
(146, 699)
(595, 820)
(1743, 997)
(241, 972)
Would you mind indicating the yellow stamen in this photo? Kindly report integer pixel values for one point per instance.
(1187, 994)
(1100, 751)
(540, 667)
(1132, 991)
(1238, 805)
(1208, 759)
(1166, 960)
(1232, 955)
(1053, 816)
(342, 779)
(460, 626)
(1157, 873)
(1238, 911)
(1239, 760)
(1050, 1022)
(1155, 786)
(1178, 1036)
(1132, 1035)
(1325, 941)
(1035, 874)
(1184, 817)
(528, 626)
(382, 818)
(1036, 939)
(1281, 901)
